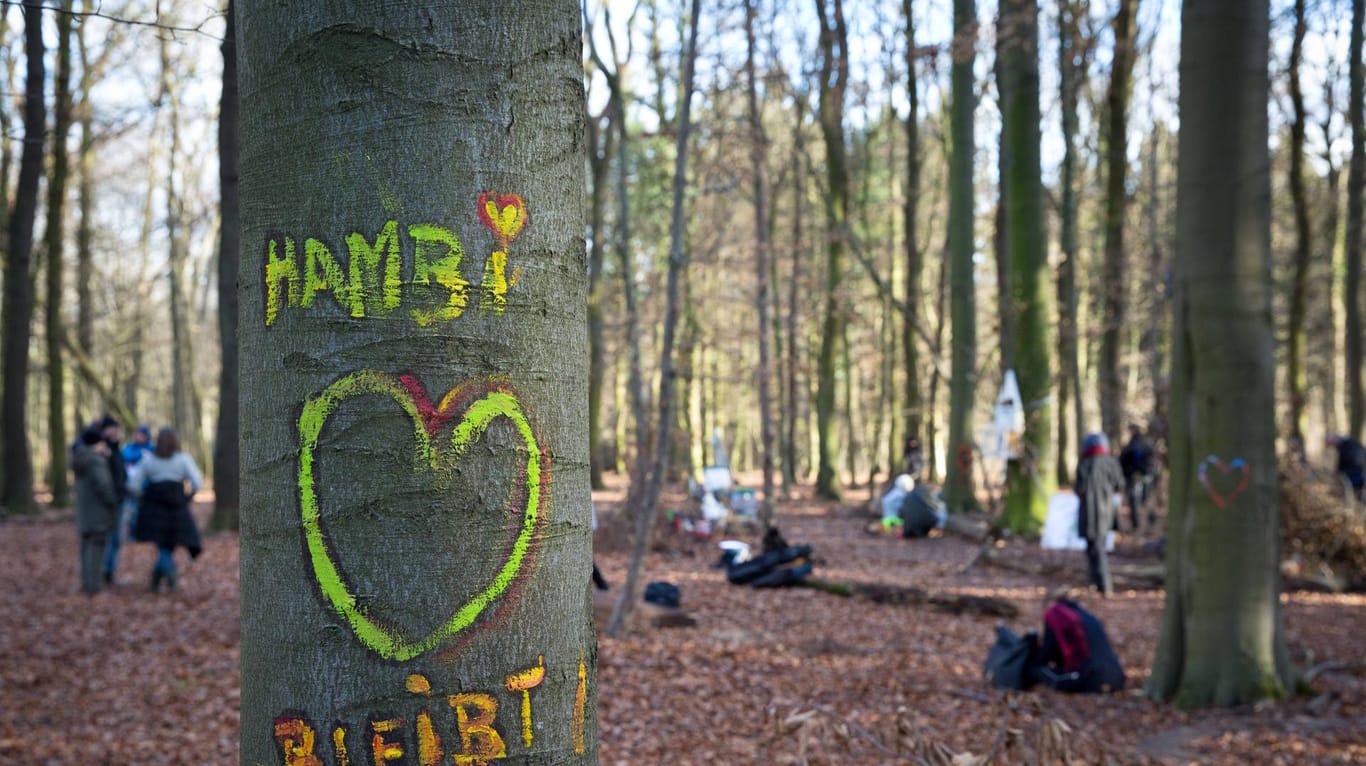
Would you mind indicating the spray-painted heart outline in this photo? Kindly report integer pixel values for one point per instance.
(387, 641)
(1236, 464)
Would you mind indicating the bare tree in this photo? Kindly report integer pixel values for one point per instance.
(18, 307)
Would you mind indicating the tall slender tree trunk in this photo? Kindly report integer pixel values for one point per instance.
(414, 367)
(1221, 641)
(183, 413)
(958, 489)
(85, 193)
(1295, 376)
(792, 416)
(834, 81)
(915, 263)
(1028, 475)
(1356, 198)
(18, 307)
(226, 451)
(601, 144)
(1072, 57)
(53, 241)
(1114, 276)
(759, 152)
(678, 265)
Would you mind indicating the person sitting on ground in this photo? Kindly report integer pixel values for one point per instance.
(923, 510)
(1351, 464)
(892, 500)
(1076, 655)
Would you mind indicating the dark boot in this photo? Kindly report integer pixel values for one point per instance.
(156, 580)
(170, 582)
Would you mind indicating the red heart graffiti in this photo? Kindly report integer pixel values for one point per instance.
(504, 215)
(1237, 464)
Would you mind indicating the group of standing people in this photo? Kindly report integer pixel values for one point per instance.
(140, 490)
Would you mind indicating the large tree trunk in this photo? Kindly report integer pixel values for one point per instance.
(53, 326)
(759, 151)
(414, 367)
(958, 492)
(18, 307)
(1114, 275)
(1028, 475)
(678, 265)
(1356, 198)
(1221, 640)
(226, 452)
(834, 43)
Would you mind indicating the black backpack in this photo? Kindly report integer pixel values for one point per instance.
(1010, 661)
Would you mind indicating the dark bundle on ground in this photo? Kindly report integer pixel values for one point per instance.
(1319, 525)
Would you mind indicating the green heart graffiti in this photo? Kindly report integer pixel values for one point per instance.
(387, 641)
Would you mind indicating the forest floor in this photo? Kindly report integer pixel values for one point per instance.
(792, 676)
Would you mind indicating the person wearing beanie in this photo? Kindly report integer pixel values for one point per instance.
(97, 502)
(1099, 477)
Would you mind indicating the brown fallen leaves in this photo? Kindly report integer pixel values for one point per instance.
(791, 676)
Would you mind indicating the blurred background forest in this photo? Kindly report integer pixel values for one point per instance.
(833, 284)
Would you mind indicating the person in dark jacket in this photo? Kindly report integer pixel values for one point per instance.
(1076, 655)
(1351, 463)
(165, 480)
(1138, 462)
(97, 502)
(121, 464)
(1098, 479)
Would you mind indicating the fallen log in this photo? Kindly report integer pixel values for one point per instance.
(903, 595)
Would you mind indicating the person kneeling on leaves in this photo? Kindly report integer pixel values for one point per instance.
(1076, 655)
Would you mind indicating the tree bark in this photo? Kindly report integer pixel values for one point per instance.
(226, 451)
(1356, 198)
(414, 369)
(1114, 280)
(1028, 476)
(18, 307)
(958, 489)
(56, 265)
(1221, 641)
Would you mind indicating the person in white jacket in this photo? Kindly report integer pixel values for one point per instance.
(165, 480)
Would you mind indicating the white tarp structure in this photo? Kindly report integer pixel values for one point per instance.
(1060, 525)
(1007, 422)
